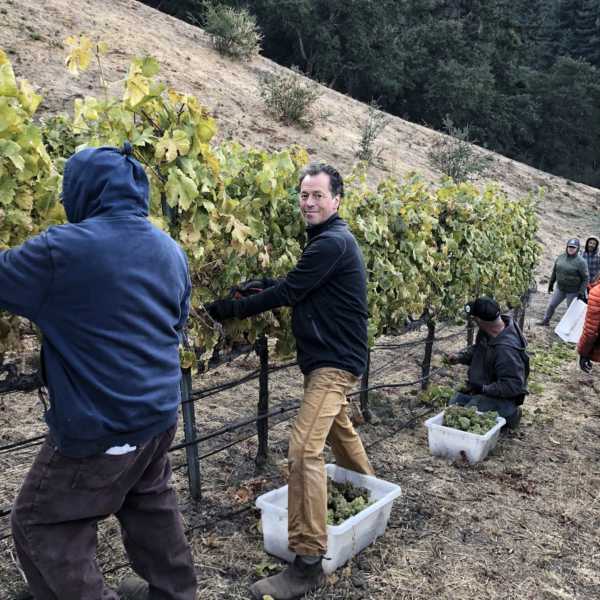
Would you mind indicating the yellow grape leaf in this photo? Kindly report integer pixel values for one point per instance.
(78, 120)
(191, 235)
(8, 83)
(24, 199)
(239, 231)
(209, 158)
(28, 98)
(148, 65)
(80, 56)
(206, 129)
(181, 190)
(12, 151)
(8, 187)
(137, 87)
(175, 97)
(90, 109)
(264, 259)
(170, 146)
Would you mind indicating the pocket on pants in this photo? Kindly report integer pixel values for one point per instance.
(103, 470)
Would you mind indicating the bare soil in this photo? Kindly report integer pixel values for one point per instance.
(521, 525)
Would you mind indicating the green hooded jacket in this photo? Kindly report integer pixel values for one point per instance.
(570, 274)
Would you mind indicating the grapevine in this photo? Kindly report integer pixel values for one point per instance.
(29, 182)
(234, 209)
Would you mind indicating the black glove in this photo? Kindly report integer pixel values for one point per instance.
(451, 359)
(550, 289)
(221, 310)
(252, 286)
(475, 388)
(585, 364)
(582, 297)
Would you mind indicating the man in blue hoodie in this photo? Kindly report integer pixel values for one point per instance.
(110, 293)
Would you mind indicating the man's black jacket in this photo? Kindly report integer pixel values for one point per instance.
(327, 291)
(500, 365)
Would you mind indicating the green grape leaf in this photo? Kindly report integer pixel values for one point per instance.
(181, 190)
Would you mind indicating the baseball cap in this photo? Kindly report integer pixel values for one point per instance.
(483, 308)
(573, 242)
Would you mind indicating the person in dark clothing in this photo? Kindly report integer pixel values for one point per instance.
(110, 293)
(498, 363)
(571, 276)
(591, 255)
(327, 291)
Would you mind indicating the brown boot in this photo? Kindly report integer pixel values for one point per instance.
(297, 579)
(133, 588)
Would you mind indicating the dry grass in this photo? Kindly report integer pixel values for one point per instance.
(522, 525)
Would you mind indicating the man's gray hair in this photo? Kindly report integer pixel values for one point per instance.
(336, 183)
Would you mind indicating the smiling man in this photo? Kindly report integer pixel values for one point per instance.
(327, 291)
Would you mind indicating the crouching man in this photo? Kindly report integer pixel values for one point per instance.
(327, 291)
(498, 363)
(109, 292)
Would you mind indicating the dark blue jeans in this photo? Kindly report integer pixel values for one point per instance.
(505, 408)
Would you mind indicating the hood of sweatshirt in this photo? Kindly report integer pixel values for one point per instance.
(510, 336)
(104, 182)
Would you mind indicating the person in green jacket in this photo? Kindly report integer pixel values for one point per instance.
(571, 276)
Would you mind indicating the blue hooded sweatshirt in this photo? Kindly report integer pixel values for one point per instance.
(110, 293)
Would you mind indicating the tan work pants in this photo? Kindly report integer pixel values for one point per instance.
(322, 418)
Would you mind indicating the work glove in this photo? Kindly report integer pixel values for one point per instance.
(252, 286)
(451, 359)
(221, 310)
(550, 289)
(585, 364)
(475, 388)
(582, 296)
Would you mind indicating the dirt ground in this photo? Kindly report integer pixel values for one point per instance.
(523, 524)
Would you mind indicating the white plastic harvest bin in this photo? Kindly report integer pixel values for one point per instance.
(344, 540)
(450, 442)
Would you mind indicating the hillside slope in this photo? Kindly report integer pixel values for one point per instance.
(32, 33)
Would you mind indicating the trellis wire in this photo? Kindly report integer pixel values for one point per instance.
(263, 414)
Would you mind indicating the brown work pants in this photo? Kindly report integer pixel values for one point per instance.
(55, 518)
(323, 417)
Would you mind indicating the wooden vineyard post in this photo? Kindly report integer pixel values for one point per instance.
(262, 423)
(364, 394)
(426, 364)
(187, 406)
(189, 432)
(522, 318)
(523, 311)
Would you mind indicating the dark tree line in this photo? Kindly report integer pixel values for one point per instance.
(523, 74)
